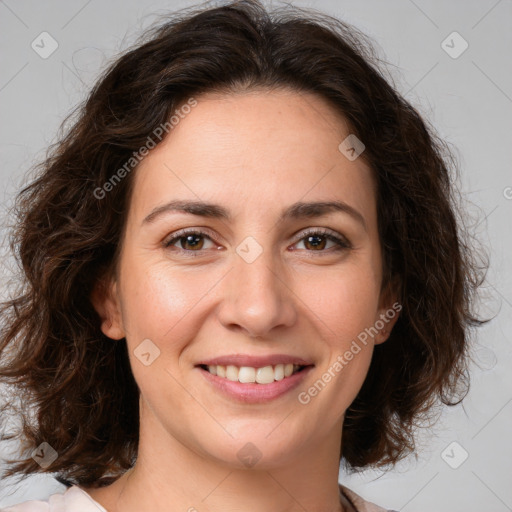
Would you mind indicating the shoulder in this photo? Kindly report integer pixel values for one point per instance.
(73, 499)
(359, 503)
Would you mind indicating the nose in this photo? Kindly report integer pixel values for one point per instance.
(257, 299)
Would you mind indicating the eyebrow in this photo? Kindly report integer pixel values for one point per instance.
(297, 210)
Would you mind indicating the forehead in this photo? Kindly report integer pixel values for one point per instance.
(257, 148)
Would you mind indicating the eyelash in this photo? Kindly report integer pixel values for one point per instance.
(341, 242)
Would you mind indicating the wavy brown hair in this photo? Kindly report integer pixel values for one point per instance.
(72, 386)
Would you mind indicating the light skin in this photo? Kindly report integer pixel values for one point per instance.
(255, 154)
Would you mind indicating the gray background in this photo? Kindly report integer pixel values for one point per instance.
(469, 101)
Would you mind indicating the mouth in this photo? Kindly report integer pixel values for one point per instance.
(264, 375)
(255, 384)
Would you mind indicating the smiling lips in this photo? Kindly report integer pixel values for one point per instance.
(248, 374)
(253, 369)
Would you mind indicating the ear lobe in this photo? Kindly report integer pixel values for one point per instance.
(105, 301)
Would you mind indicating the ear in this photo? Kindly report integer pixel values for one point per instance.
(389, 310)
(105, 300)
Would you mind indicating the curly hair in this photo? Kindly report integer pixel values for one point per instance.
(73, 387)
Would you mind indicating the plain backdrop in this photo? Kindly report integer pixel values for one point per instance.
(464, 464)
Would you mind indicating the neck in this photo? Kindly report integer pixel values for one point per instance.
(169, 473)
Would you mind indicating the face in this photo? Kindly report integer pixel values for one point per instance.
(255, 281)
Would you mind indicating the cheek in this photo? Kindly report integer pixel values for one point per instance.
(164, 305)
(345, 299)
(157, 297)
(161, 304)
(345, 307)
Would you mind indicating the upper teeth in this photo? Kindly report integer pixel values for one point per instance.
(246, 374)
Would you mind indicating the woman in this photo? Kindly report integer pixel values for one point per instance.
(242, 266)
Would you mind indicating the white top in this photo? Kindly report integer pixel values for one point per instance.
(76, 499)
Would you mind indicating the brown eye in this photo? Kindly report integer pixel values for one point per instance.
(316, 241)
(190, 241)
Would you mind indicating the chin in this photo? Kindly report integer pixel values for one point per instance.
(256, 451)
